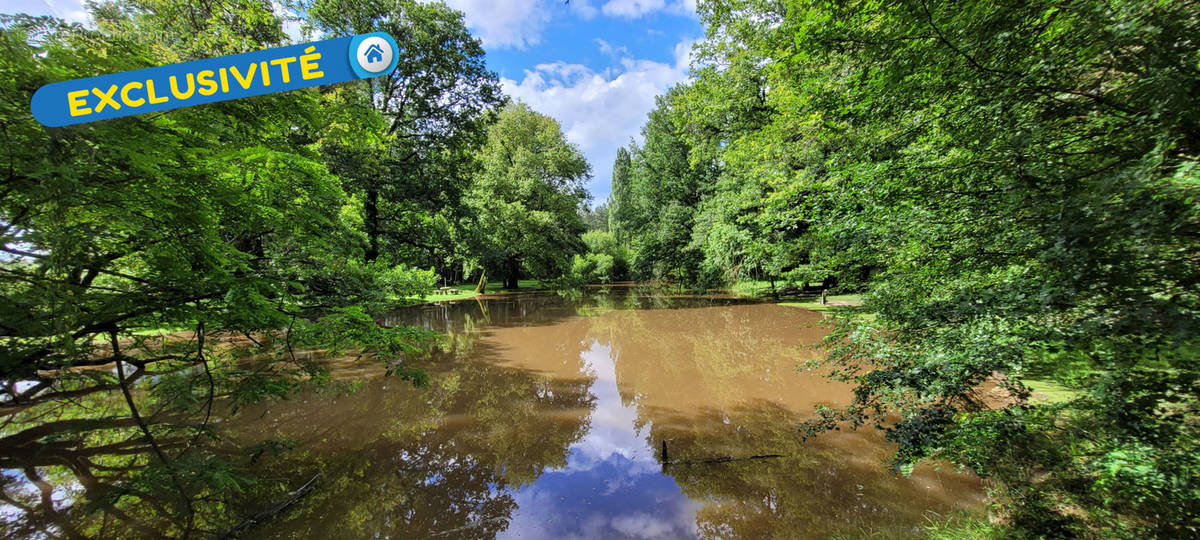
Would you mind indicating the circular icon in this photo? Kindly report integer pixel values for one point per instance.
(374, 54)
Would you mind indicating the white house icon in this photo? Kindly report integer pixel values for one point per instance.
(374, 54)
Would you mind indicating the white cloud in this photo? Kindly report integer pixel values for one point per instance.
(607, 49)
(584, 9)
(617, 461)
(68, 10)
(521, 23)
(511, 23)
(632, 9)
(600, 112)
(516, 23)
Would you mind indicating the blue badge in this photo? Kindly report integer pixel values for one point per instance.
(372, 55)
(215, 79)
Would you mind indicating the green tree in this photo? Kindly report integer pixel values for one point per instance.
(665, 189)
(527, 195)
(620, 199)
(596, 218)
(433, 105)
(606, 260)
(743, 229)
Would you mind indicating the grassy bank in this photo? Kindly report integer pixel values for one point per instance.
(1048, 391)
(762, 289)
(467, 290)
(833, 302)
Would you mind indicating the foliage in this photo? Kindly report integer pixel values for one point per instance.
(605, 261)
(590, 268)
(243, 219)
(620, 201)
(527, 195)
(662, 193)
(596, 218)
(149, 221)
(1014, 184)
(611, 259)
(411, 165)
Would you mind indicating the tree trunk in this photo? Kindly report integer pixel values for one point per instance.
(512, 279)
(371, 223)
(482, 287)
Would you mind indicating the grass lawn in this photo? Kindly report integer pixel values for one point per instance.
(467, 290)
(834, 303)
(1049, 392)
(762, 289)
(165, 330)
(753, 288)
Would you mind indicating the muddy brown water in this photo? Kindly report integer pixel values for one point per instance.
(547, 421)
(546, 418)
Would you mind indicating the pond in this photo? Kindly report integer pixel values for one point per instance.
(547, 417)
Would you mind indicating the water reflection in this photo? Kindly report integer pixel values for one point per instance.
(611, 486)
(545, 420)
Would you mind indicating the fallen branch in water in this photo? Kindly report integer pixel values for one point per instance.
(260, 517)
(726, 459)
(469, 526)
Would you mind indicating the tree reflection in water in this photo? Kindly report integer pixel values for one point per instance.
(544, 420)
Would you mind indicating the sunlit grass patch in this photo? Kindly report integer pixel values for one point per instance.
(467, 290)
(1048, 391)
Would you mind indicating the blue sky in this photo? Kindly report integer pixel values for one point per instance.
(594, 65)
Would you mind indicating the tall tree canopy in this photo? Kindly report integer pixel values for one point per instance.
(620, 199)
(410, 169)
(527, 195)
(596, 218)
(666, 183)
(162, 220)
